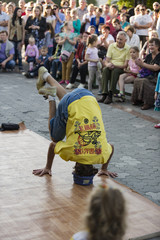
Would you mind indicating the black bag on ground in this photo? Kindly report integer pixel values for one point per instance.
(9, 127)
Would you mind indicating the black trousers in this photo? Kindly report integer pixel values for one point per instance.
(83, 70)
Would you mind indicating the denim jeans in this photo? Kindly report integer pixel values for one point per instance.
(58, 123)
(9, 65)
(17, 55)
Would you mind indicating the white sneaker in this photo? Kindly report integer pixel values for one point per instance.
(70, 85)
(81, 85)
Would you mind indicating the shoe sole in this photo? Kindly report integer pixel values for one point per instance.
(48, 91)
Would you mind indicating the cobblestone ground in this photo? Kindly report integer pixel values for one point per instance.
(137, 142)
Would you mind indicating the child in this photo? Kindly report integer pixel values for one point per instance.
(157, 98)
(123, 20)
(76, 21)
(49, 34)
(41, 61)
(130, 74)
(93, 59)
(106, 216)
(31, 53)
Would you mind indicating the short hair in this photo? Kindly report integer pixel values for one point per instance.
(129, 28)
(116, 20)
(99, 10)
(44, 48)
(92, 26)
(4, 32)
(114, 6)
(105, 27)
(156, 41)
(122, 33)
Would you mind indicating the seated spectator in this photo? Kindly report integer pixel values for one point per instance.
(113, 14)
(130, 73)
(123, 20)
(145, 49)
(105, 39)
(87, 18)
(50, 18)
(16, 34)
(54, 61)
(6, 52)
(3, 19)
(144, 85)
(142, 23)
(49, 35)
(91, 30)
(32, 53)
(76, 22)
(116, 61)
(36, 26)
(106, 216)
(82, 9)
(95, 21)
(117, 27)
(80, 65)
(60, 18)
(68, 42)
(41, 61)
(132, 38)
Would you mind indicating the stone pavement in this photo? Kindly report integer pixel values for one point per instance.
(137, 142)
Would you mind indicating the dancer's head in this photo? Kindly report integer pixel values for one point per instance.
(85, 170)
(106, 217)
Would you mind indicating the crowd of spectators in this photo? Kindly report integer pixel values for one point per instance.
(113, 46)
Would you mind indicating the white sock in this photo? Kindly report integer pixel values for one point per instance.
(45, 75)
(50, 98)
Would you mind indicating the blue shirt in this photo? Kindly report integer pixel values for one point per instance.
(93, 22)
(2, 51)
(58, 24)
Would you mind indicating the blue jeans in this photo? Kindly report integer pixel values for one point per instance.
(58, 123)
(50, 51)
(56, 66)
(17, 55)
(9, 65)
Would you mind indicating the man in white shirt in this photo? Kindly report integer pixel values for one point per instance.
(3, 19)
(142, 22)
(87, 17)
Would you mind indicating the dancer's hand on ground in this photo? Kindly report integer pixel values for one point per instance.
(42, 172)
(107, 173)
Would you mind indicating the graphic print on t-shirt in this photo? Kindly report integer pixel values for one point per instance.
(87, 137)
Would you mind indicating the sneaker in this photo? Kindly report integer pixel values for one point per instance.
(41, 82)
(62, 82)
(67, 82)
(48, 91)
(121, 97)
(108, 100)
(81, 85)
(70, 85)
(157, 125)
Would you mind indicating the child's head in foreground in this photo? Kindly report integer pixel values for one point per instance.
(106, 216)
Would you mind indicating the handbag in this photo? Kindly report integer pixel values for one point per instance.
(9, 126)
(65, 55)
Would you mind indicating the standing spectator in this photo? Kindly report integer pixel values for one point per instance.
(16, 34)
(76, 22)
(158, 26)
(142, 22)
(21, 5)
(72, 4)
(97, 20)
(10, 9)
(132, 38)
(68, 14)
(136, 12)
(49, 2)
(6, 52)
(28, 13)
(4, 4)
(50, 18)
(60, 18)
(105, 14)
(80, 64)
(3, 19)
(49, 35)
(87, 17)
(156, 14)
(117, 27)
(123, 20)
(113, 14)
(68, 42)
(32, 53)
(82, 9)
(36, 26)
(117, 60)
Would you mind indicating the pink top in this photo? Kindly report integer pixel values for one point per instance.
(32, 51)
(133, 66)
(93, 54)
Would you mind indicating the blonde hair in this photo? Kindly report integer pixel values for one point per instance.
(106, 217)
(31, 39)
(153, 32)
(36, 7)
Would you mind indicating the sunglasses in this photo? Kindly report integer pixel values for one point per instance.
(156, 5)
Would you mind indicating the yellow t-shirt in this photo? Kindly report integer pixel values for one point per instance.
(118, 55)
(86, 141)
